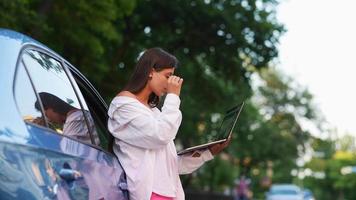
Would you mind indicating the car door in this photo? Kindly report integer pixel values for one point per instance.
(70, 158)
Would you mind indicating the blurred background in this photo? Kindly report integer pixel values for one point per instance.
(288, 60)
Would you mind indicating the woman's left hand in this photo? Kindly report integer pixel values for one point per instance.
(217, 148)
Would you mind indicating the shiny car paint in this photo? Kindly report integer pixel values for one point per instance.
(36, 163)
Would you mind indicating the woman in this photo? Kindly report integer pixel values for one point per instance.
(144, 135)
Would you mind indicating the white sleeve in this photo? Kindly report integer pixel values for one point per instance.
(75, 125)
(188, 164)
(144, 130)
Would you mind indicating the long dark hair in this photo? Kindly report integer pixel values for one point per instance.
(51, 101)
(154, 58)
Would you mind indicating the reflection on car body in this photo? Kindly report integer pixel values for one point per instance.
(41, 157)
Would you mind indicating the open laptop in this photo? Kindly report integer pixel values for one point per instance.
(225, 130)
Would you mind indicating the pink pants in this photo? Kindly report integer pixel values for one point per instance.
(155, 196)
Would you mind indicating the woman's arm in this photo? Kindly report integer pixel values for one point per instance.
(188, 163)
(143, 129)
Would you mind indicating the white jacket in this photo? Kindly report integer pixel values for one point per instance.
(144, 145)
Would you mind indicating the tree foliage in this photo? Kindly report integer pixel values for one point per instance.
(220, 44)
(331, 156)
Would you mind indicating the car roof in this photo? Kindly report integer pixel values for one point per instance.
(12, 43)
(19, 39)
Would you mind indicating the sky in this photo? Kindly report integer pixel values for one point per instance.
(318, 51)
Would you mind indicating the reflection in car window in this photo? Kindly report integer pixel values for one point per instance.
(24, 89)
(60, 104)
(98, 112)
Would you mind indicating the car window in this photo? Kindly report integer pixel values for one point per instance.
(98, 110)
(24, 90)
(57, 99)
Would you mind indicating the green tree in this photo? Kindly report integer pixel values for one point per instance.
(220, 45)
(331, 156)
(85, 32)
(284, 104)
(269, 136)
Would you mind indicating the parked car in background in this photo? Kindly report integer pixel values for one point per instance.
(54, 143)
(308, 195)
(284, 192)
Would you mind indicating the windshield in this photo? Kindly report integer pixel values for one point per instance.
(284, 191)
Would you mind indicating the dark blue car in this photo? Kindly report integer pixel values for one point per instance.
(54, 143)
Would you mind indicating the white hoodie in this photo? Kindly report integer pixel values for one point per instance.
(144, 145)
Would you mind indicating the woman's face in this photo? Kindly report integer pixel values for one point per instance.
(54, 117)
(159, 80)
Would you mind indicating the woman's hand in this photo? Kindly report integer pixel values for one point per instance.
(217, 148)
(174, 85)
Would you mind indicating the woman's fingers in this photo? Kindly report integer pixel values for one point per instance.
(175, 79)
(180, 81)
(174, 84)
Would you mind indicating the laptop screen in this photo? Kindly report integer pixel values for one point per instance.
(228, 122)
(226, 127)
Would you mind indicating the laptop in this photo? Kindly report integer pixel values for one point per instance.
(225, 130)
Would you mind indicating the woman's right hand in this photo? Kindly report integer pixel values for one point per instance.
(174, 85)
(217, 148)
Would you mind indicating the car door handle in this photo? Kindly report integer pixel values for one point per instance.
(69, 175)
